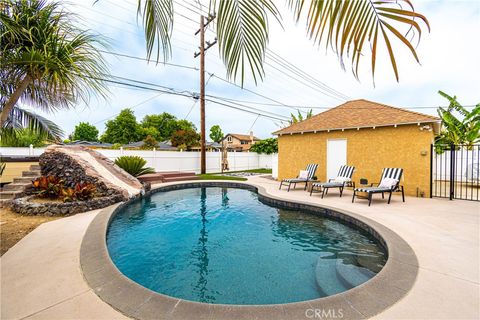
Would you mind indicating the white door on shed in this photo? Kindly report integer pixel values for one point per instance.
(336, 156)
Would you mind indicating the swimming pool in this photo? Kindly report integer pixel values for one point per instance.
(223, 245)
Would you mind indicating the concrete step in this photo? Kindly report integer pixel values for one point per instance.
(23, 180)
(16, 186)
(34, 173)
(184, 178)
(326, 277)
(7, 195)
(351, 274)
(35, 167)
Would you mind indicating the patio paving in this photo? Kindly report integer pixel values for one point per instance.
(41, 276)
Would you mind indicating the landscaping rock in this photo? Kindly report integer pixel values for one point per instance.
(75, 164)
(27, 206)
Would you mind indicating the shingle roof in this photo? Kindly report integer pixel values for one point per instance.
(243, 137)
(358, 114)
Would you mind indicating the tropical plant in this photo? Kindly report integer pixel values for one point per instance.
(48, 187)
(84, 191)
(46, 61)
(299, 117)
(123, 129)
(22, 138)
(267, 146)
(216, 133)
(455, 130)
(85, 131)
(349, 27)
(185, 139)
(134, 165)
(22, 119)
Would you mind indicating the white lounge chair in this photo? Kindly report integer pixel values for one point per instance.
(343, 179)
(388, 173)
(311, 168)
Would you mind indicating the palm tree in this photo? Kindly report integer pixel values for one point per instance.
(21, 119)
(46, 61)
(349, 27)
(457, 131)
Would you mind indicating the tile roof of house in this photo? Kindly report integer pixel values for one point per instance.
(243, 137)
(358, 114)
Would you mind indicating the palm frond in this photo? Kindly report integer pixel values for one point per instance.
(22, 118)
(242, 35)
(351, 26)
(157, 18)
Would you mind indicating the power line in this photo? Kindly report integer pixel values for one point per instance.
(307, 75)
(248, 110)
(145, 59)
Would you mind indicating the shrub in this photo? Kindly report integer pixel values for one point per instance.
(84, 191)
(149, 143)
(51, 187)
(267, 146)
(48, 187)
(134, 165)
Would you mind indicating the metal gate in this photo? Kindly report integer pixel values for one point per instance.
(455, 172)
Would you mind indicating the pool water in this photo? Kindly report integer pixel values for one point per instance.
(222, 245)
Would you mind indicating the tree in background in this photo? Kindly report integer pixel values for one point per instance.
(123, 129)
(216, 133)
(465, 131)
(184, 139)
(46, 60)
(85, 131)
(166, 124)
(267, 146)
(150, 131)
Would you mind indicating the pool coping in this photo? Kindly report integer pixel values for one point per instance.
(364, 301)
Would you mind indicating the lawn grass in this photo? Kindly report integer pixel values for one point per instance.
(213, 176)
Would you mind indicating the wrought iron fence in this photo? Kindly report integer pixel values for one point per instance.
(455, 172)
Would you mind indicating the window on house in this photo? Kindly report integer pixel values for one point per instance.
(229, 139)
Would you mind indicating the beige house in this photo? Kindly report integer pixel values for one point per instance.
(239, 142)
(368, 135)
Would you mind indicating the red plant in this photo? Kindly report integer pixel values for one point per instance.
(48, 187)
(85, 191)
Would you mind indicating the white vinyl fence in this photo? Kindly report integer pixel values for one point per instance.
(173, 160)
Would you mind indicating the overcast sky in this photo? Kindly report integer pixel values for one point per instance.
(449, 57)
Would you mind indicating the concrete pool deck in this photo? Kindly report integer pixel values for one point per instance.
(41, 276)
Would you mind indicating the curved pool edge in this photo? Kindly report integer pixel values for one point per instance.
(133, 300)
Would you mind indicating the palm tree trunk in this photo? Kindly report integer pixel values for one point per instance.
(7, 108)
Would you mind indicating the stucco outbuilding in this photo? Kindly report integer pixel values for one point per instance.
(365, 134)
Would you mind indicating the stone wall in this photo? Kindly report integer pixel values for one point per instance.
(70, 171)
(27, 205)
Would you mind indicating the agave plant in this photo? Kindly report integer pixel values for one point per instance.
(349, 27)
(134, 165)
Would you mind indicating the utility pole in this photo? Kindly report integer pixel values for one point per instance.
(203, 25)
